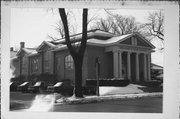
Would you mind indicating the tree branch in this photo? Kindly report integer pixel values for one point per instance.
(66, 30)
(53, 38)
(84, 32)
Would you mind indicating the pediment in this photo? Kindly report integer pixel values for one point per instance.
(22, 52)
(141, 42)
(127, 41)
(137, 40)
(44, 46)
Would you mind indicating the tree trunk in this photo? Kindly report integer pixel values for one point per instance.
(78, 76)
(77, 55)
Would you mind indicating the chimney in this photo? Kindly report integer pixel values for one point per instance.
(11, 49)
(22, 44)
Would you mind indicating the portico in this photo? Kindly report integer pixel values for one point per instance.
(131, 60)
(137, 71)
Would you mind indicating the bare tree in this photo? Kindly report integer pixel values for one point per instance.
(125, 25)
(59, 26)
(155, 25)
(77, 55)
(118, 24)
(104, 24)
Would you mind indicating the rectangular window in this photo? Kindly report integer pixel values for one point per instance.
(34, 65)
(46, 66)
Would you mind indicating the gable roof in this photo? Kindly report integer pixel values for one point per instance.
(156, 67)
(116, 39)
(108, 41)
(95, 37)
(48, 43)
(26, 51)
(102, 38)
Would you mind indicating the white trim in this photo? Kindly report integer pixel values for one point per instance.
(45, 43)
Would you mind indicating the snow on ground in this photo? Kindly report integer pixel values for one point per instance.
(130, 89)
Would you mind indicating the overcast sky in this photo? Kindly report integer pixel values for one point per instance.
(32, 25)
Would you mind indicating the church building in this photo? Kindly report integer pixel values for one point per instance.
(121, 57)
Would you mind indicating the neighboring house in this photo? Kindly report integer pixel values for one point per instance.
(121, 57)
(19, 61)
(157, 71)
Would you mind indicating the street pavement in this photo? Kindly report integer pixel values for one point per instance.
(45, 103)
(138, 105)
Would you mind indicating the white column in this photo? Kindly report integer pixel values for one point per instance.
(149, 66)
(129, 65)
(137, 66)
(145, 67)
(120, 64)
(115, 63)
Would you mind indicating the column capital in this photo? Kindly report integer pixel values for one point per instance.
(147, 53)
(120, 51)
(137, 53)
(115, 51)
(129, 52)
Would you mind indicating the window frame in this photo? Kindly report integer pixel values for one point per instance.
(68, 62)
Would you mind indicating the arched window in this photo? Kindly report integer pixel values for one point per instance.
(69, 62)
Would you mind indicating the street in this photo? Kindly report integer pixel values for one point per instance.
(45, 103)
(143, 105)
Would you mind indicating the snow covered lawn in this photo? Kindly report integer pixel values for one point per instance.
(130, 89)
(110, 93)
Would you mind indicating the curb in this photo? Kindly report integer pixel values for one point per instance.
(95, 99)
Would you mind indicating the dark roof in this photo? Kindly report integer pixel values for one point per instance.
(27, 51)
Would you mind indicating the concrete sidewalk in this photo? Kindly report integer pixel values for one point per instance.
(94, 99)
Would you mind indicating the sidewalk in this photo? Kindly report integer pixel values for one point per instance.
(95, 99)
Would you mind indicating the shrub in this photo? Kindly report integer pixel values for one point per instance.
(152, 89)
(67, 91)
(89, 90)
(104, 82)
(47, 78)
(17, 79)
(32, 78)
(152, 83)
(67, 82)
